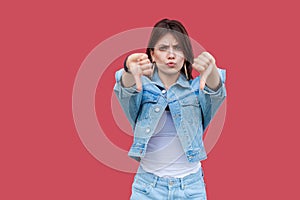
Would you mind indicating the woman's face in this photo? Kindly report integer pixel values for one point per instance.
(168, 55)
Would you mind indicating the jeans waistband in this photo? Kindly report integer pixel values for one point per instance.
(169, 181)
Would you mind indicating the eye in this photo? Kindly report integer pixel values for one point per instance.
(178, 48)
(163, 48)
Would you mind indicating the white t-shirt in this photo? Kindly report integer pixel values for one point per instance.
(164, 155)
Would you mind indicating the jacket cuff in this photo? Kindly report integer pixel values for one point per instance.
(222, 74)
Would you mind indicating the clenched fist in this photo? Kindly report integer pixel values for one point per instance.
(205, 64)
(139, 64)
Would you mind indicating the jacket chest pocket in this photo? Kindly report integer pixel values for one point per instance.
(148, 103)
(190, 109)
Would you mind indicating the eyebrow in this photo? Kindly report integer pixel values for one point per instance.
(167, 45)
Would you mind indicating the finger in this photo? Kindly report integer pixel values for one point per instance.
(204, 76)
(198, 68)
(146, 66)
(201, 63)
(202, 83)
(203, 80)
(209, 56)
(138, 82)
(142, 56)
(204, 59)
(144, 61)
(134, 56)
(137, 56)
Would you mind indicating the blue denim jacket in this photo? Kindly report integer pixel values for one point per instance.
(191, 110)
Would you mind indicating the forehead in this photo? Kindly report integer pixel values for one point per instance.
(167, 40)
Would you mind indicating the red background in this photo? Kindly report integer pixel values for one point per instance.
(44, 43)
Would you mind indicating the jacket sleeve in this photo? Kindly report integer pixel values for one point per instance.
(129, 98)
(211, 100)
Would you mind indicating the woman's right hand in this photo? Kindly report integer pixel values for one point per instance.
(139, 64)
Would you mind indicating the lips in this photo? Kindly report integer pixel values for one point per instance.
(171, 64)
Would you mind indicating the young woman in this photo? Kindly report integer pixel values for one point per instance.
(169, 112)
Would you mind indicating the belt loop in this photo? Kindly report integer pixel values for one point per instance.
(181, 184)
(155, 181)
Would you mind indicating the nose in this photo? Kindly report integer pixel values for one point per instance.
(171, 54)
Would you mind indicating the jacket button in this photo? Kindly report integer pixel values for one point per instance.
(148, 130)
(163, 91)
(157, 109)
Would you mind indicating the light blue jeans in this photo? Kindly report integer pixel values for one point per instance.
(149, 186)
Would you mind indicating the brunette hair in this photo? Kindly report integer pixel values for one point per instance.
(174, 27)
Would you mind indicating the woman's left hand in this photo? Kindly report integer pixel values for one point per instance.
(205, 64)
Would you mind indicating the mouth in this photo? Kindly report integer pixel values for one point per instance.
(171, 64)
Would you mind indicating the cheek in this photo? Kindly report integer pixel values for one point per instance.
(181, 60)
(158, 57)
(180, 56)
